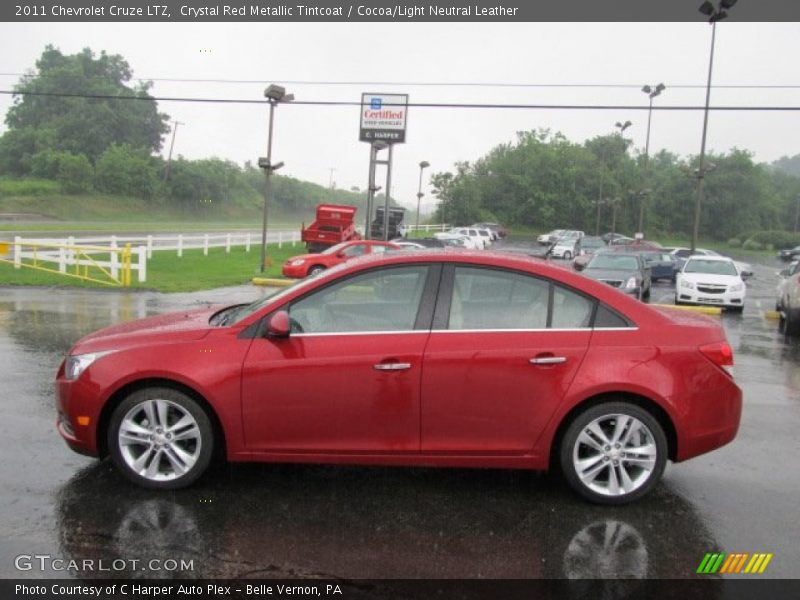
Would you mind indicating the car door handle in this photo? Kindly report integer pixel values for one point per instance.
(393, 366)
(548, 360)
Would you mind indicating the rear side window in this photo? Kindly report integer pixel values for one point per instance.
(495, 299)
(570, 310)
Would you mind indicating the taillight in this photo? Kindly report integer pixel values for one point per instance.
(721, 354)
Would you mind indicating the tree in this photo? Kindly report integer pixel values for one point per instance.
(41, 121)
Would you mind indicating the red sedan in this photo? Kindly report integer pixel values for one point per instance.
(442, 359)
(304, 265)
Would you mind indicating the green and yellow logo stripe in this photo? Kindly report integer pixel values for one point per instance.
(737, 562)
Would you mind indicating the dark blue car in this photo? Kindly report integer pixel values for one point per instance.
(662, 265)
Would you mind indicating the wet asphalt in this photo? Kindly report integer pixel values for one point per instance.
(352, 522)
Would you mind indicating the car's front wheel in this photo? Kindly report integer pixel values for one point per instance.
(567, 255)
(613, 453)
(161, 438)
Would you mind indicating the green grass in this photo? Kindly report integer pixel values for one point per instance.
(168, 273)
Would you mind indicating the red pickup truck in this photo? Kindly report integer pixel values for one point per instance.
(335, 223)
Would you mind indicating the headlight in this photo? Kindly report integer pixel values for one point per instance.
(736, 287)
(631, 283)
(297, 263)
(78, 363)
(687, 284)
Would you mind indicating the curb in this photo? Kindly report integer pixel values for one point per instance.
(272, 282)
(706, 310)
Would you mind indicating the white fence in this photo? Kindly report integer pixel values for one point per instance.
(429, 228)
(77, 251)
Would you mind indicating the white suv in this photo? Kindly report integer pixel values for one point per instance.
(710, 280)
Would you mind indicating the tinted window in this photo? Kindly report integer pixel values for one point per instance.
(606, 318)
(495, 299)
(382, 300)
(713, 267)
(570, 310)
(382, 249)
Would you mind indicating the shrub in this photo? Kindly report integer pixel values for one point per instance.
(752, 245)
(75, 173)
(734, 242)
(128, 171)
(778, 239)
(27, 187)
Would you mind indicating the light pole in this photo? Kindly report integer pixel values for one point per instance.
(797, 213)
(274, 95)
(622, 127)
(171, 146)
(423, 165)
(714, 14)
(651, 92)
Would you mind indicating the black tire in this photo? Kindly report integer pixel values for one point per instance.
(677, 302)
(646, 294)
(736, 309)
(642, 479)
(792, 324)
(155, 450)
(315, 270)
(567, 255)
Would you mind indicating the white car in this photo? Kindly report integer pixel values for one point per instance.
(472, 234)
(486, 236)
(784, 275)
(549, 238)
(565, 248)
(743, 268)
(462, 240)
(710, 280)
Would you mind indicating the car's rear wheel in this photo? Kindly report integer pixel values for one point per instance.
(161, 438)
(613, 453)
(567, 255)
(315, 270)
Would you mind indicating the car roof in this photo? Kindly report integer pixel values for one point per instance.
(711, 257)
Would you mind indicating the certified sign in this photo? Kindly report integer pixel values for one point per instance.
(383, 117)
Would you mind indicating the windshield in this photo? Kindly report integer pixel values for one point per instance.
(614, 262)
(248, 309)
(335, 249)
(711, 267)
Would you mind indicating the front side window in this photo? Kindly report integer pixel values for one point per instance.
(377, 249)
(381, 300)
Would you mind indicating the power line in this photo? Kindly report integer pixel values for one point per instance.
(498, 84)
(410, 104)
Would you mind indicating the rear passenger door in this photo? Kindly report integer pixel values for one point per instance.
(504, 349)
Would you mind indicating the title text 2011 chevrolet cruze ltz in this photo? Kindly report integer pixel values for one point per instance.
(432, 358)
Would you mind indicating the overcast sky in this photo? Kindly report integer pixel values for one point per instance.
(311, 140)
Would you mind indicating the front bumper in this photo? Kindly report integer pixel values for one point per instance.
(78, 414)
(294, 272)
(726, 299)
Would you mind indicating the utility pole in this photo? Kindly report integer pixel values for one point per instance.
(331, 182)
(171, 146)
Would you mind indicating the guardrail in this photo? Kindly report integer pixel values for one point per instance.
(80, 261)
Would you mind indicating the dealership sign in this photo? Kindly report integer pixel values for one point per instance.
(383, 118)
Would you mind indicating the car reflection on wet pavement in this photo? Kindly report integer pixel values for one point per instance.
(354, 522)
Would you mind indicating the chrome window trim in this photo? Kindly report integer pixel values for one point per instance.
(426, 331)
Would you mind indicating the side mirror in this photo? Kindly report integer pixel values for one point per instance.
(278, 325)
(745, 276)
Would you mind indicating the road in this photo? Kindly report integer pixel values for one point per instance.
(353, 522)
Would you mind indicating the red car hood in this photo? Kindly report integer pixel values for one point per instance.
(185, 325)
(308, 257)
